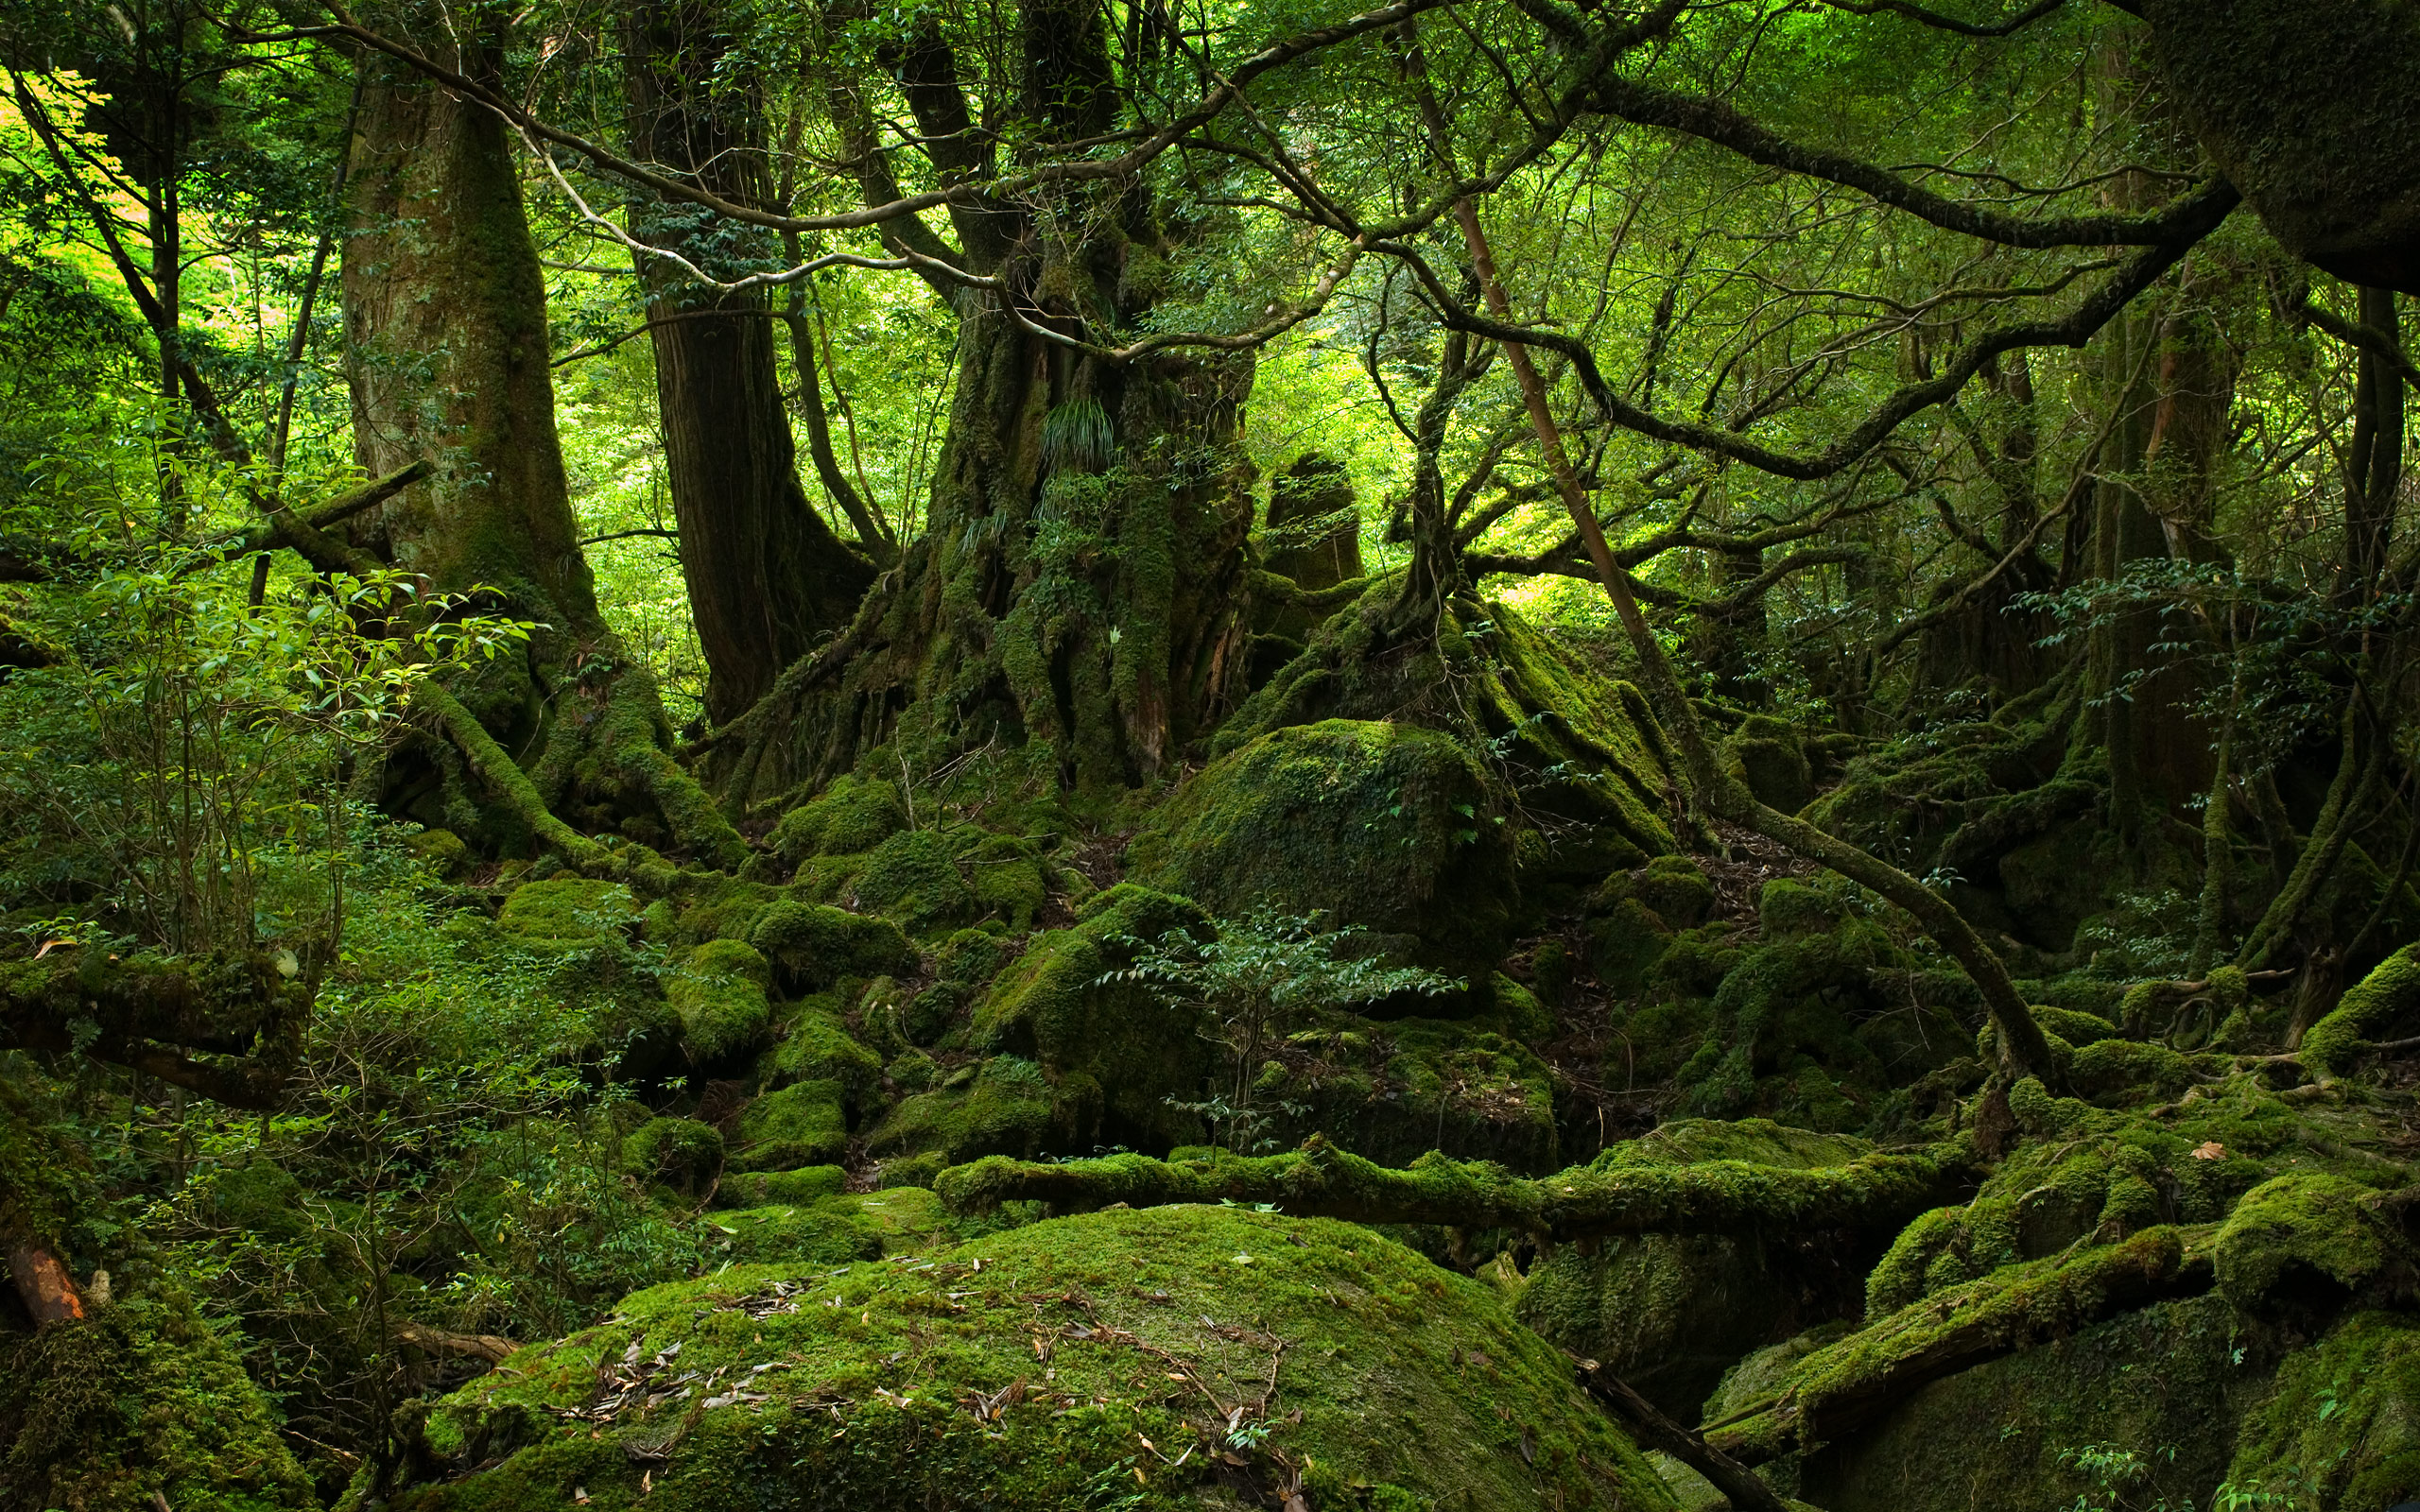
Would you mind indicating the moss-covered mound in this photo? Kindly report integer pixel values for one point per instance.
(1163, 1359)
(139, 1406)
(1384, 826)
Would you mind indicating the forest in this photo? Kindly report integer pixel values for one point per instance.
(1209, 754)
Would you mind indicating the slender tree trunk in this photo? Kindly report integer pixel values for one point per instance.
(767, 577)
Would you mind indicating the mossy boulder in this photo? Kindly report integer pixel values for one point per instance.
(1670, 1314)
(140, 1405)
(1004, 1107)
(1117, 1050)
(680, 1152)
(914, 877)
(816, 1046)
(1392, 1091)
(1089, 1361)
(565, 913)
(719, 990)
(800, 1124)
(441, 851)
(1005, 872)
(813, 945)
(803, 1187)
(2166, 1384)
(816, 1233)
(850, 817)
(2342, 1425)
(1771, 758)
(2305, 1238)
(1388, 827)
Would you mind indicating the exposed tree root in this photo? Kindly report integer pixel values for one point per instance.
(1738, 1484)
(1877, 1193)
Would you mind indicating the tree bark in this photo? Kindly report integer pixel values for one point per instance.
(767, 577)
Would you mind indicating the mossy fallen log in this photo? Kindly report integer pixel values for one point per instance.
(1878, 1192)
(1844, 1387)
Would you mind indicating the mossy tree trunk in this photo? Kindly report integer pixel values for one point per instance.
(447, 359)
(767, 577)
(1081, 592)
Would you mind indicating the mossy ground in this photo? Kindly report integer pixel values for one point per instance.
(1067, 1363)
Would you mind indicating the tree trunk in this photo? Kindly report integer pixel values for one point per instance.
(447, 359)
(1080, 594)
(767, 577)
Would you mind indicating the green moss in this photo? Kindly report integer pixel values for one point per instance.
(1129, 1049)
(798, 1126)
(1392, 1092)
(1005, 873)
(680, 1152)
(1006, 1109)
(719, 993)
(1670, 1314)
(1771, 758)
(913, 877)
(813, 945)
(567, 911)
(2386, 996)
(850, 817)
(1384, 826)
(2114, 1072)
(809, 1234)
(440, 850)
(817, 1046)
(1787, 909)
(2343, 1427)
(1413, 1386)
(803, 1187)
(139, 1405)
(2295, 1229)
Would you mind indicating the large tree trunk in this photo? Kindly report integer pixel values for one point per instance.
(447, 359)
(766, 577)
(1080, 594)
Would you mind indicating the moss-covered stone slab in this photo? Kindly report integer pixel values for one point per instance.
(800, 1124)
(719, 990)
(1388, 827)
(1005, 1108)
(2340, 1427)
(1171, 1358)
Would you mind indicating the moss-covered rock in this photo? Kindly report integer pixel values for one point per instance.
(801, 1124)
(849, 817)
(816, 1233)
(680, 1152)
(719, 993)
(913, 877)
(1117, 1050)
(2303, 1233)
(1088, 1360)
(1006, 874)
(441, 851)
(2340, 1429)
(1670, 1314)
(804, 1187)
(816, 1046)
(566, 912)
(1392, 1091)
(1769, 757)
(1384, 826)
(1005, 1106)
(813, 945)
(140, 1405)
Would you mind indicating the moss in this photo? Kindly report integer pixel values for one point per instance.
(680, 1152)
(1005, 873)
(2114, 1072)
(803, 1187)
(1670, 1314)
(1132, 1049)
(1771, 758)
(849, 817)
(820, 1233)
(800, 1124)
(914, 878)
(1384, 826)
(567, 911)
(2169, 1382)
(1625, 944)
(1392, 1092)
(142, 1404)
(719, 993)
(1787, 909)
(817, 1046)
(1676, 888)
(2294, 1232)
(813, 945)
(1006, 1109)
(1079, 1364)
(2387, 995)
(440, 850)
(1877, 1192)
(2341, 1429)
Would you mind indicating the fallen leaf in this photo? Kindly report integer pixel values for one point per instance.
(2212, 1150)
